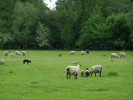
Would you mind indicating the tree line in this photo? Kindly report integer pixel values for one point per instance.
(73, 24)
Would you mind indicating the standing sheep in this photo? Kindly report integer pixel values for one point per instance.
(114, 55)
(23, 53)
(122, 54)
(2, 61)
(87, 73)
(60, 54)
(6, 53)
(87, 51)
(72, 70)
(82, 52)
(11, 54)
(96, 69)
(72, 53)
(18, 53)
(82, 72)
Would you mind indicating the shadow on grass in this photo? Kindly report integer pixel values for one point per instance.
(112, 74)
(96, 89)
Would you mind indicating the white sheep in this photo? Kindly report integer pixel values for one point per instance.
(2, 61)
(72, 70)
(114, 55)
(82, 52)
(82, 72)
(122, 54)
(23, 53)
(6, 53)
(96, 69)
(72, 53)
(18, 53)
(11, 54)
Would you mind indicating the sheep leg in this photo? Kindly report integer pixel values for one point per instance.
(100, 74)
(95, 74)
(76, 76)
(91, 74)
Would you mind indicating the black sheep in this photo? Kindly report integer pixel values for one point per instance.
(87, 72)
(87, 51)
(26, 60)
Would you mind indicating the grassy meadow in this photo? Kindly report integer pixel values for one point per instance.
(45, 77)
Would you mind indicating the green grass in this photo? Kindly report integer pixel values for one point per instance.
(45, 77)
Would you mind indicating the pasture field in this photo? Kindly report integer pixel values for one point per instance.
(45, 77)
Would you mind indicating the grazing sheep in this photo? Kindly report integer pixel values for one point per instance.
(114, 55)
(11, 54)
(72, 70)
(23, 53)
(87, 73)
(26, 60)
(2, 61)
(18, 53)
(122, 54)
(72, 53)
(60, 54)
(82, 72)
(82, 52)
(6, 53)
(96, 69)
(87, 51)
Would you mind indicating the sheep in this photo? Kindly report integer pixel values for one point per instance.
(87, 73)
(72, 53)
(23, 53)
(72, 70)
(60, 54)
(11, 54)
(96, 69)
(122, 54)
(87, 51)
(6, 53)
(2, 61)
(114, 55)
(18, 53)
(82, 52)
(26, 60)
(82, 72)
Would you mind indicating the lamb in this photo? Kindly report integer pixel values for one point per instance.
(114, 55)
(122, 54)
(72, 53)
(23, 53)
(6, 53)
(18, 53)
(72, 70)
(26, 60)
(87, 51)
(82, 52)
(2, 61)
(87, 73)
(60, 54)
(82, 72)
(96, 69)
(11, 54)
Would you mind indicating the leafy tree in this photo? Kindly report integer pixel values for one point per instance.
(42, 35)
(24, 18)
(130, 23)
(120, 31)
(4, 38)
(95, 32)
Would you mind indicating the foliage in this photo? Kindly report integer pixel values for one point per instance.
(73, 24)
(42, 35)
(95, 32)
